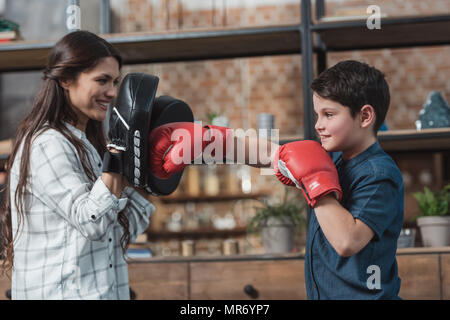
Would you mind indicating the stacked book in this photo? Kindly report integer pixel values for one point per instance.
(9, 31)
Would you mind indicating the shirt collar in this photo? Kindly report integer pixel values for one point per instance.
(77, 132)
(363, 156)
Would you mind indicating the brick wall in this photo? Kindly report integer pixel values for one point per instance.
(242, 88)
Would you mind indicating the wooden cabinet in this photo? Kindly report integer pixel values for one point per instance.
(420, 276)
(159, 281)
(5, 285)
(236, 278)
(283, 279)
(445, 276)
(425, 275)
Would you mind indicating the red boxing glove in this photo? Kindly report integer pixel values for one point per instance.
(173, 146)
(308, 166)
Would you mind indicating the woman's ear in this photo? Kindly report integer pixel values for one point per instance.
(65, 84)
(367, 116)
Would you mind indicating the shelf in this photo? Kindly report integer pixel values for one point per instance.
(218, 198)
(182, 45)
(406, 140)
(395, 32)
(413, 140)
(215, 258)
(196, 234)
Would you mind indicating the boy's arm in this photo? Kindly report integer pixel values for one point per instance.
(173, 146)
(346, 234)
(253, 151)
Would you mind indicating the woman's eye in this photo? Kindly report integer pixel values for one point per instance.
(328, 115)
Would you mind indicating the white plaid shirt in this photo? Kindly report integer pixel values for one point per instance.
(69, 244)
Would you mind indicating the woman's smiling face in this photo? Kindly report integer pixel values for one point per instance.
(93, 90)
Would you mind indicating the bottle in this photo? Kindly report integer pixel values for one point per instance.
(193, 181)
(231, 181)
(246, 179)
(211, 182)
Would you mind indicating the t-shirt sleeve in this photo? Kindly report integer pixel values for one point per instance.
(373, 202)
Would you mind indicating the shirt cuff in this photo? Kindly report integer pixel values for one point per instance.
(101, 192)
(131, 193)
(143, 202)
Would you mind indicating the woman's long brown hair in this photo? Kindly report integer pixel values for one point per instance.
(76, 52)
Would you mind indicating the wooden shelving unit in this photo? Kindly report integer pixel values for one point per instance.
(413, 140)
(395, 32)
(186, 45)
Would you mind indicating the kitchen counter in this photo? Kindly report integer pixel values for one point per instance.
(424, 272)
(266, 257)
(238, 257)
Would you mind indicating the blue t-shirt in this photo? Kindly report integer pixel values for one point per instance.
(373, 192)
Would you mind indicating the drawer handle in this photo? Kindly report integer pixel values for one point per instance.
(132, 294)
(251, 291)
(8, 294)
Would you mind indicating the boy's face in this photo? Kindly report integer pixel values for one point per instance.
(337, 129)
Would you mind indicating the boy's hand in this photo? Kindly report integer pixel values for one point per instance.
(307, 165)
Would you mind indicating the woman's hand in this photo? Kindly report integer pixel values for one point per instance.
(113, 181)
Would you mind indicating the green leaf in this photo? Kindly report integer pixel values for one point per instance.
(291, 209)
(433, 203)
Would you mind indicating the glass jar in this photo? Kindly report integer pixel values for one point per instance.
(211, 182)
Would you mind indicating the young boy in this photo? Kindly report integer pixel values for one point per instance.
(351, 243)
(352, 240)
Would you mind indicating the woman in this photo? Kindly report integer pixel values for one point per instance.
(66, 225)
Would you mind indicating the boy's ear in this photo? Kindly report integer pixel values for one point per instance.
(367, 116)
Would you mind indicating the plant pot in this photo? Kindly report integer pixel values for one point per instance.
(435, 230)
(278, 235)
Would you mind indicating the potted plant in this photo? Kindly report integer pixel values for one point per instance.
(434, 219)
(278, 224)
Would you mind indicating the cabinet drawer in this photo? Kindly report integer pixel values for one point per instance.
(159, 281)
(282, 279)
(420, 276)
(5, 285)
(445, 272)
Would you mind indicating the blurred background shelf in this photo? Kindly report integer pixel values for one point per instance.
(199, 233)
(157, 47)
(218, 198)
(396, 32)
(413, 140)
(226, 43)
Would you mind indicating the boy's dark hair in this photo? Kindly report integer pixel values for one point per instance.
(355, 84)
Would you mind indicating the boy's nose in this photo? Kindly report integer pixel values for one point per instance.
(318, 126)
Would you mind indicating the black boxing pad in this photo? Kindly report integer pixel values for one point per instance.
(129, 126)
(167, 109)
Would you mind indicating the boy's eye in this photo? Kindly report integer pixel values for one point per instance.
(116, 83)
(102, 81)
(328, 115)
